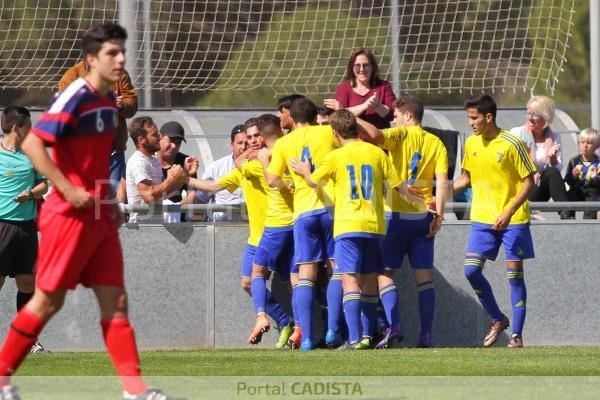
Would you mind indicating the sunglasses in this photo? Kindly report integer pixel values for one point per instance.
(358, 66)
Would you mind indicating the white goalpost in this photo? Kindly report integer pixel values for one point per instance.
(433, 46)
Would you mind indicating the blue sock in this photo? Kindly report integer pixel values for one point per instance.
(258, 291)
(275, 311)
(352, 312)
(335, 294)
(305, 293)
(295, 305)
(426, 293)
(518, 295)
(482, 288)
(389, 299)
(369, 313)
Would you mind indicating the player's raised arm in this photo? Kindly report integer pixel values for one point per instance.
(205, 185)
(370, 133)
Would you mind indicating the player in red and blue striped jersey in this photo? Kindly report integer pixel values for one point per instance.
(79, 222)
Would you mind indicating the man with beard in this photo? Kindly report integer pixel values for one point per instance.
(144, 177)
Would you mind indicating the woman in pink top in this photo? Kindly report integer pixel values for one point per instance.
(363, 92)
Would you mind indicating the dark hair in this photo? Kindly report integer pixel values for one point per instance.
(137, 128)
(484, 104)
(351, 76)
(325, 111)
(250, 122)
(286, 101)
(269, 126)
(411, 104)
(236, 131)
(92, 39)
(14, 115)
(344, 123)
(303, 111)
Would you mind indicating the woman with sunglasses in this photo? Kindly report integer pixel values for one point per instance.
(363, 93)
(545, 149)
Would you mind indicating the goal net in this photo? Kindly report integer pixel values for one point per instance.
(284, 46)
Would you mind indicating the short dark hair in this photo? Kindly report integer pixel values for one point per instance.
(236, 131)
(286, 101)
(137, 128)
(250, 122)
(344, 123)
(325, 111)
(92, 39)
(269, 126)
(351, 76)
(411, 104)
(484, 104)
(303, 111)
(14, 115)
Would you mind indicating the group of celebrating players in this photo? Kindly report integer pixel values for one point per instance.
(344, 200)
(338, 206)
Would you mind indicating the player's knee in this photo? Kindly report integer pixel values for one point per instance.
(122, 304)
(473, 267)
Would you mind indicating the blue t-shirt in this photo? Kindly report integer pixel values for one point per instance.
(16, 176)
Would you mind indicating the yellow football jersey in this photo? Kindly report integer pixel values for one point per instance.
(497, 169)
(279, 201)
(256, 200)
(417, 156)
(307, 143)
(358, 171)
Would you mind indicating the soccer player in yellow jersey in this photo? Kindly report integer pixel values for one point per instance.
(358, 171)
(500, 171)
(256, 202)
(419, 158)
(276, 247)
(313, 223)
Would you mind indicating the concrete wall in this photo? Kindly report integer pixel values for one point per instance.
(183, 284)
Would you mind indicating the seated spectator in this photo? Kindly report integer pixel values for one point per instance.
(545, 148)
(582, 172)
(222, 167)
(171, 136)
(144, 177)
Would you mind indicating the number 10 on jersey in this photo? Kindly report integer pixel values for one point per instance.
(366, 182)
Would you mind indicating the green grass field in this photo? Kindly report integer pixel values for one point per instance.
(532, 361)
(407, 374)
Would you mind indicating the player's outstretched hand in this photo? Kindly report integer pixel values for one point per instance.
(78, 197)
(410, 193)
(301, 167)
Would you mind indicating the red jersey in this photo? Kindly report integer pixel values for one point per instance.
(80, 126)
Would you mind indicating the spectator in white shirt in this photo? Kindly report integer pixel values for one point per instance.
(144, 177)
(219, 168)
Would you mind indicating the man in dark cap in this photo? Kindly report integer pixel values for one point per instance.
(171, 136)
